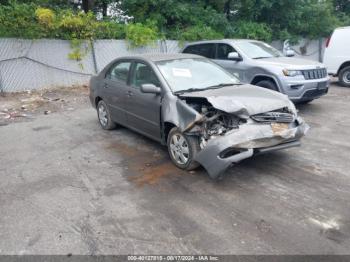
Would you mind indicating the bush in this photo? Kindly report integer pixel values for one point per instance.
(76, 25)
(176, 19)
(141, 35)
(19, 20)
(110, 30)
(252, 30)
(31, 21)
(200, 32)
(45, 16)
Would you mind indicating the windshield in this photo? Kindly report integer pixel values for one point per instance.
(194, 74)
(257, 50)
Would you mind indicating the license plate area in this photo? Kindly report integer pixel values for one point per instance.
(278, 128)
(322, 85)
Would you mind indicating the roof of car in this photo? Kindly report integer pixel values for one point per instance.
(221, 41)
(154, 57)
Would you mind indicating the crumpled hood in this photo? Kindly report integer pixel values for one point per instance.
(290, 63)
(243, 100)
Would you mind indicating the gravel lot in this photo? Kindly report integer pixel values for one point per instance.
(67, 186)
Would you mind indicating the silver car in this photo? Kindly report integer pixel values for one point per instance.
(201, 112)
(260, 64)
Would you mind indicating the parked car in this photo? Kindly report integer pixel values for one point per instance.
(337, 55)
(200, 111)
(260, 64)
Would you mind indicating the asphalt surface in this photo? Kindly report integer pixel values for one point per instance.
(67, 186)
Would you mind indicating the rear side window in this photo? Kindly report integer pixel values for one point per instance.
(119, 72)
(223, 51)
(206, 50)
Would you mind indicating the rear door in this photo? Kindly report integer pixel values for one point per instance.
(143, 110)
(115, 88)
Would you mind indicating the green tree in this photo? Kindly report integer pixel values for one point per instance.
(342, 6)
(176, 16)
(199, 19)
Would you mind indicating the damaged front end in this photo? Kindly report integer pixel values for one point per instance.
(231, 131)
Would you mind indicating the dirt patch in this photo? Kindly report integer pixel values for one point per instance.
(152, 175)
(124, 149)
(146, 166)
(16, 107)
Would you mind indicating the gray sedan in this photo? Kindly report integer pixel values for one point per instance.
(201, 112)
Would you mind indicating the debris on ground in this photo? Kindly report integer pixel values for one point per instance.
(16, 107)
(5, 114)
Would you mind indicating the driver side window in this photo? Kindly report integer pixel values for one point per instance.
(223, 51)
(144, 74)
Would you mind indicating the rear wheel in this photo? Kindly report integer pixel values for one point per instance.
(267, 84)
(182, 149)
(104, 116)
(344, 76)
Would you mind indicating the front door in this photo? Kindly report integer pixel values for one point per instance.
(143, 110)
(234, 67)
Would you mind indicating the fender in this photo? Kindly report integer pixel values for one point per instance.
(271, 77)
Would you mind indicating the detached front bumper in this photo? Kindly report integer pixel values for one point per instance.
(248, 140)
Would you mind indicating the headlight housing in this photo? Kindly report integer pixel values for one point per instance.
(292, 108)
(291, 73)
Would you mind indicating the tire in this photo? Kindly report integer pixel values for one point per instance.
(174, 143)
(104, 116)
(267, 84)
(344, 76)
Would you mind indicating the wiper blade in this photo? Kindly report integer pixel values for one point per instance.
(205, 88)
(262, 57)
(188, 90)
(221, 85)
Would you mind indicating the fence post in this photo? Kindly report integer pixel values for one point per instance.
(320, 45)
(94, 56)
(163, 45)
(1, 86)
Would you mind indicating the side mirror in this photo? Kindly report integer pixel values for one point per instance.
(234, 56)
(150, 89)
(290, 53)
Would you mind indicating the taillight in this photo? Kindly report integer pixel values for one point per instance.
(328, 41)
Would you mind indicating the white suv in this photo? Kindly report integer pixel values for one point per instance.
(337, 55)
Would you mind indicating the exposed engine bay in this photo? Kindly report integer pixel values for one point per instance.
(216, 123)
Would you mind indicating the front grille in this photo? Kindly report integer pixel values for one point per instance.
(269, 117)
(314, 73)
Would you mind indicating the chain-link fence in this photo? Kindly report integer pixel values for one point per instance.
(39, 64)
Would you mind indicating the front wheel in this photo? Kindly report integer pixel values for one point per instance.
(267, 84)
(104, 116)
(344, 76)
(182, 149)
